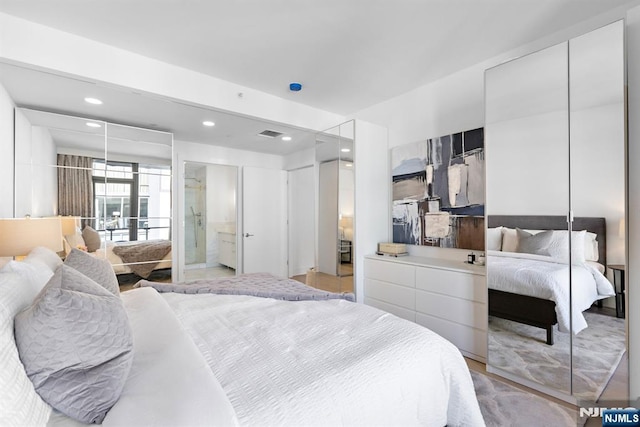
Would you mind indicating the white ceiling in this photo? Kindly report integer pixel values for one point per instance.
(348, 54)
(54, 93)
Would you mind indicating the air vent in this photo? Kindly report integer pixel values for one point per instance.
(270, 133)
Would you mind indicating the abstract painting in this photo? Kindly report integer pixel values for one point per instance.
(438, 191)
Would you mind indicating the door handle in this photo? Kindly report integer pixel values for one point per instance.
(248, 235)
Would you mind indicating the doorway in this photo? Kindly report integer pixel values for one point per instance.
(210, 207)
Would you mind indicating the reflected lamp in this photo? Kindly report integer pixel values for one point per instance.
(18, 236)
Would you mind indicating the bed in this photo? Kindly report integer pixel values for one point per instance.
(534, 288)
(140, 258)
(211, 359)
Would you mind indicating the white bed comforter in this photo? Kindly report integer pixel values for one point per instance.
(547, 278)
(259, 361)
(327, 363)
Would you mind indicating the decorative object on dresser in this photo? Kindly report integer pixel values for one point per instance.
(392, 249)
(448, 297)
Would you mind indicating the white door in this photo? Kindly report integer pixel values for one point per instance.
(302, 223)
(264, 221)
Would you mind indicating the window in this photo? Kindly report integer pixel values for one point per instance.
(132, 201)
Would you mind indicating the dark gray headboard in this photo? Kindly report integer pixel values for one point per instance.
(556, 222)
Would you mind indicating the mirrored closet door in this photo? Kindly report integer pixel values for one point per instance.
(555, 153)
(335, 213)
(110, 183)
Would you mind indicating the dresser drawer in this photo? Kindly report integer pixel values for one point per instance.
(466, 338)
(393, 272)
(390, 293)
(390, 308)
(457, 310)
(456, 284)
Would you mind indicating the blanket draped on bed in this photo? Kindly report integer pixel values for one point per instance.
(254, 284)
(143, 256)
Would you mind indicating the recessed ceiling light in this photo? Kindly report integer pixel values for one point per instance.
(345, 150)
(93, 125)
(208, 123)
(286, 138)
(349, 165)
(94, 101)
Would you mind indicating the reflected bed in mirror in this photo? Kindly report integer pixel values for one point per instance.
(529, 284)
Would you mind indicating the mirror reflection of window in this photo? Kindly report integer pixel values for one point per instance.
(134, 202)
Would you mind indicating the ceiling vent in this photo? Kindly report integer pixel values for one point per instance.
(270, 133)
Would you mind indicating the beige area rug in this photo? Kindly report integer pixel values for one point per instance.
(597, 350)
(505, 405)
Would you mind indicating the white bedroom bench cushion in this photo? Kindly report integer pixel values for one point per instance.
(76, 345)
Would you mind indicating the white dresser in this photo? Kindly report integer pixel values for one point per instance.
(448, 297)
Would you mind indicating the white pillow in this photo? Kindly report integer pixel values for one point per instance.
(73, 241)
(20, 405)
(35, 273)
(509, 239)
(591, 250)
(494, 239)
(45, 256)
(559, 246)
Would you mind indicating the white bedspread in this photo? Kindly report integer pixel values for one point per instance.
(544, 277)
(327, 363)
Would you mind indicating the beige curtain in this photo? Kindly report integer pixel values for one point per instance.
(75, 187)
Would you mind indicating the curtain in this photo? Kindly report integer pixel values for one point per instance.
(75, 187)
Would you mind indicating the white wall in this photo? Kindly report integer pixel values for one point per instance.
(633, 218)
(6, 159)
(36, 192)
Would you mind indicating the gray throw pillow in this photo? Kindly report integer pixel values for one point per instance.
(76, 345)
(97, 269)
(91, 238)
(537, 244)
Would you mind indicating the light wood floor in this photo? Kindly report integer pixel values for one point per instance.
(331, 283)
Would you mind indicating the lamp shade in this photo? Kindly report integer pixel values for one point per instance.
(18, 236)
(70, 225)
